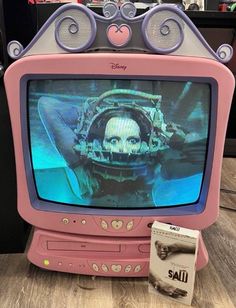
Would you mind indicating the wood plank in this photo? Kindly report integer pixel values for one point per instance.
(228, 183)
(220, 240)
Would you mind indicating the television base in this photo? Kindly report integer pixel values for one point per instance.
(99, 256)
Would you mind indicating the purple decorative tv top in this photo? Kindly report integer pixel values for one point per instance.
(164, 29)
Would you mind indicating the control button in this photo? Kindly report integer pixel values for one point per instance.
(60, 263)
(70, 264)
(117, 224)
(65, 221)
(83, 222)
(128, 268)
(95, 267)
(104, 225)
(137, 268)
(145, 248)
(104, 268)
(130, 225)
(116, 268)
(46, 262)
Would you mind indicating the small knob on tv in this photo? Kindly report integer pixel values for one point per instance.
(137, 268)
(65, 221)
(130, 225)
(105, 268)
(95, 267)
(117, 224)
(128, 268)
(116, 268)
(104, 225)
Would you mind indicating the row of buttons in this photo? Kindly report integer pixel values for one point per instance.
(46, 262)
(66, 221)
(116, 268)
(117, 224)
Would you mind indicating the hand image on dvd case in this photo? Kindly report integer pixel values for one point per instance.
(164, 251)
(166, 288)
(124, 145)
(172, 266)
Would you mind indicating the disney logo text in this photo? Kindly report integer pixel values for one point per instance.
(117, 66)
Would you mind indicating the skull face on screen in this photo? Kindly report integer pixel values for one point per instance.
(121, 132)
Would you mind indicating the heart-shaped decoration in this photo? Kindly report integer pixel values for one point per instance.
(116, 268)
(117, 224)
(119, 35)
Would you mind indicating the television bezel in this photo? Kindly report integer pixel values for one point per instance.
(50, 205)
(199, 215)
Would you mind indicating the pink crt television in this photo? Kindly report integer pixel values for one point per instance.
(118, 120)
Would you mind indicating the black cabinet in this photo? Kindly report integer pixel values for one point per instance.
(218, 28)
(13, 230)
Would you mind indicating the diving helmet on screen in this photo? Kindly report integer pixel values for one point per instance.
(121, 133)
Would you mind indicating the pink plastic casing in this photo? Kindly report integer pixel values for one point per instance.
(118, 65)
(100, 256)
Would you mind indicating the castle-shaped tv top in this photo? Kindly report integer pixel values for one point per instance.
(164, 29)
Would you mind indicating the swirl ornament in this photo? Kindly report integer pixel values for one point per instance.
(76, 32)
(163, 31)
(74, 28)
(225, 53)
(128, 10)
(15, 49)
(110, 10)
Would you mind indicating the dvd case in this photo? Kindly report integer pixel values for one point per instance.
(172, 261)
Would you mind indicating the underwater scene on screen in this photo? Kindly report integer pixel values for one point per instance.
(118, 143)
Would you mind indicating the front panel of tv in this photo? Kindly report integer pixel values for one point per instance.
(118, 222)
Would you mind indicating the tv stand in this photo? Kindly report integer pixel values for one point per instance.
(127, 257)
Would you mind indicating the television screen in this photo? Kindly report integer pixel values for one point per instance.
(111, 143)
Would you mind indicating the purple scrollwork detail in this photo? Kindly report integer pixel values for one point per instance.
(128, 10)
(164, 30)
(75, 34)
(110, 10)
(165, 37)
(73, 28)
(15, 49)
(224, 53)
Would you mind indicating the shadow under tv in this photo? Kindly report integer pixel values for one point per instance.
(117, 121)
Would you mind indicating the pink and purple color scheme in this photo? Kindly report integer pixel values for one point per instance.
(92, 190)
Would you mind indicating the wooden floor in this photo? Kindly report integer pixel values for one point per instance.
(24, 285)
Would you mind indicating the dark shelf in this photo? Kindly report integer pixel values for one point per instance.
(200, 18)
(213, 18)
